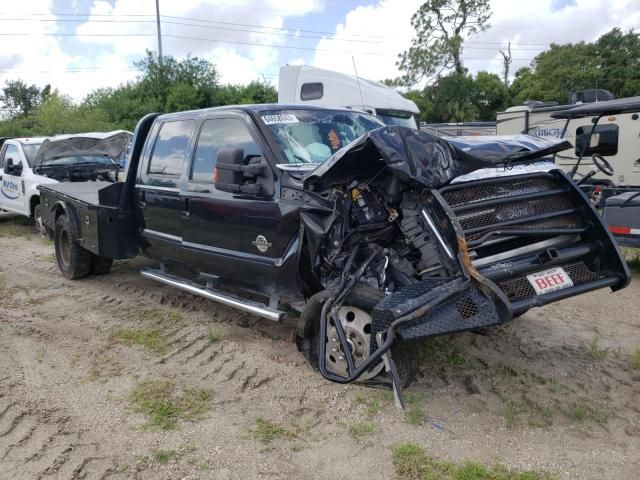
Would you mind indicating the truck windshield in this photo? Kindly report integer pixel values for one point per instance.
(312, 136)
(397, 117)
(30, 150)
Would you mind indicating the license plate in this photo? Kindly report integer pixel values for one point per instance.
(550, 280)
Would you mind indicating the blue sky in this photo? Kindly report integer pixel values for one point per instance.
(251, 39)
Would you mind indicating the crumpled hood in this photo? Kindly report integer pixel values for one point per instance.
(419, 158)
(109, 144)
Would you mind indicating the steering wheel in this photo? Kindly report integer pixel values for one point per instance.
(603, 165)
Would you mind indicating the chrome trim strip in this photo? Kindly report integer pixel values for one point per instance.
(561, 240)
(244, 305)
(435, 231)
(158, 188)
(277, 262)
(164, 236)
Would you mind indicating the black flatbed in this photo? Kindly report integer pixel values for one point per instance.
(85, 192)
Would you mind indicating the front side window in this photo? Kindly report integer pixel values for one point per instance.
(604, 140)
(13, 153)
(170, 148)
(216, 134)
(312, 136)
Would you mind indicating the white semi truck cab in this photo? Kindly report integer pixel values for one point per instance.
(302, 84)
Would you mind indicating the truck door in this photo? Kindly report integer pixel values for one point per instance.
(12, 196)
(157, 189)
(241, 236)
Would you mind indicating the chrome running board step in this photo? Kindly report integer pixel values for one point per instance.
(248, 306)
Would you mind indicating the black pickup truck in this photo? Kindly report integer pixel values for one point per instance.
(375, 235)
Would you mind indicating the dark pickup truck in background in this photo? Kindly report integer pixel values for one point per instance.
(375, 235)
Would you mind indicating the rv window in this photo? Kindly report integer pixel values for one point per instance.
(311, 91)
(604, 140)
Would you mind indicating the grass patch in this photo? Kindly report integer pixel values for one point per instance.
(166, 456)
(215, 334)
(3, 282)
(414, 415)
(584, 412)
(16, 227)
(163, 406)
(150, 338)
(594, 351)
(512, 411)
(411, 463)
(359, 431)
(635, 359)
(632, 256)
(443, 352)
(371, 405)
(267, 431)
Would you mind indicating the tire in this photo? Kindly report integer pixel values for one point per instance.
(73, 260)
(101, 265)
(404, 354)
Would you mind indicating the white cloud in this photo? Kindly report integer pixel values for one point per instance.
(531, 26)
(521, 22)
(373, 35)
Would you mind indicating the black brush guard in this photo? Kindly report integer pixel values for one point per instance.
(483, 218)
(492, 216)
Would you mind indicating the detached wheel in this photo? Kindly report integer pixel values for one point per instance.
(355, 318)
(101, 265)
(73, 260)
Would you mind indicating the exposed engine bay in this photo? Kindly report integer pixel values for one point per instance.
(444, 256)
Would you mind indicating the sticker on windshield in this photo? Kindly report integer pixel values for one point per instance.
(279, 118)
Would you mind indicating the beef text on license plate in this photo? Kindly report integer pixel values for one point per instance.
(550, 280)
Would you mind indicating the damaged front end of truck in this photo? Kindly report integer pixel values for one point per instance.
(414, 236)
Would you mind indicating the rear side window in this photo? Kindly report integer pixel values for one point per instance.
(604, 140)
(217, 133)
(170, 148)
(311, 91)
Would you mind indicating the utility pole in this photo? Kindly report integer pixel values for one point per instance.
(159, 32)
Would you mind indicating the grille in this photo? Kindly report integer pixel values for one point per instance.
(513, 211)
(488, 191)
(487, 209)
(521, 289)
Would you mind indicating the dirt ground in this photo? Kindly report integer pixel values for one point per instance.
(556, 390)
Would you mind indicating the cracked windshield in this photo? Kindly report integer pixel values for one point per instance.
(312, 136)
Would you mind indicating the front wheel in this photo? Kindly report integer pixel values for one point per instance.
(73, 260)
(355, 318)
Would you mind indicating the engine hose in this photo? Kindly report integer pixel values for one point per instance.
(389, 336)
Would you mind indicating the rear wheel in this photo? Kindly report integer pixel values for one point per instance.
(73, 260)
(355, 318)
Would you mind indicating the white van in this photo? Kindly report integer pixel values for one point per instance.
(302, 84)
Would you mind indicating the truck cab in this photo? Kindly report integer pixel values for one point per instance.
(305, 85)
(18, 192)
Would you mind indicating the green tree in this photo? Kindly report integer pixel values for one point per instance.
(612, 63)
(490, 95)
(21, 99)
(441, 27)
